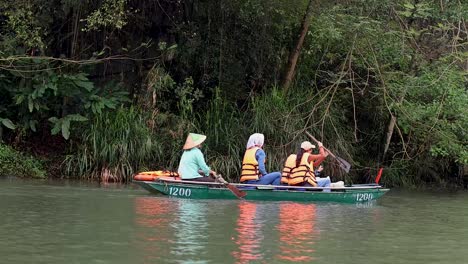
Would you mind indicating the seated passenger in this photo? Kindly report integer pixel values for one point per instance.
(253, 164)
(318, 172)
(321, 181)
(192, 163)
(299, 169)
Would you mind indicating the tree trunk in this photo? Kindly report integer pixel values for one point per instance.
(390, 128)
(393, 119)
(294, 54)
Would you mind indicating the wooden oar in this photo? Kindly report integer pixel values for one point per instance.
(343, 163)
(238, 193)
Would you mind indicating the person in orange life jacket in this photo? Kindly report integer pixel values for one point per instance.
(192, 163)
(317, 159)
(299, 169)
(253, 164)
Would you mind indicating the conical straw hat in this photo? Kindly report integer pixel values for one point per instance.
(193, 140)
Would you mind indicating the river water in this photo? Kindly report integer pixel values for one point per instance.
(76, 222)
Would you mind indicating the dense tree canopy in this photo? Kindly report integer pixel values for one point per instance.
(382, 83)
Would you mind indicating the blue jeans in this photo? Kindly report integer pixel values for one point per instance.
(273, 178)
(321, 182)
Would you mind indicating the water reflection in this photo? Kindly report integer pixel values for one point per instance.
(245, 232)
(150, 212)
(154, 216)
(297, 232)
(249, 234)
(171, 227)
(191, 228)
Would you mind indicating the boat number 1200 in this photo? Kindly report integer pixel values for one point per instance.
(179, 191)
(361, 197)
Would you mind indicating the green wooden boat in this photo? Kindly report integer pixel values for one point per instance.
(198, 190)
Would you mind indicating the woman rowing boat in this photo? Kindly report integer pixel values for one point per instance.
(192, 162)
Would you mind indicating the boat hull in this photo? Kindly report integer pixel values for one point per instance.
(200, 191)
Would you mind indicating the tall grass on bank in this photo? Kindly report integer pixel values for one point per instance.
(227, 132)
(120, 143)
(114, 146)
(281, 118)
(284, 118)
(14, 163)
(168, 133)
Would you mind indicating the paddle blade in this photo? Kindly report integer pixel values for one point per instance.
(343, 164)
(240, 194)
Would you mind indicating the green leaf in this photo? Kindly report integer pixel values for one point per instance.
(85, 84)
(56, 129)
(77, 117)
(172, 47)
(66, 128)
(7, 122)
(54, 120)
(30, 104)
(409, 6)
(109, 104)
(32, 125)
(81, 77)
(19, 99)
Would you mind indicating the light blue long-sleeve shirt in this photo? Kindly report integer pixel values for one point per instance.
(192, 160)
(260, 156)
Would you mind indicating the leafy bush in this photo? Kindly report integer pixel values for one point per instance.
(14, 163)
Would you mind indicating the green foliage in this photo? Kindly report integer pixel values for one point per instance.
(237, 45)
(113, 147)
(187, 95)
(226, 129)
(14, 163)
(63, 124)
(281, 118)
(112, 14)
(212, 67)
(44, 94)
(24, 28)
(434, 112)
(7, 123)
(110, 96)
(416, 10)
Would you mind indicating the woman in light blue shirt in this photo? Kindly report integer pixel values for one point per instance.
(192, 163)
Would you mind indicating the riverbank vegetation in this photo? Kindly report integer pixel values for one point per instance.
(103, 89)
(14, 163)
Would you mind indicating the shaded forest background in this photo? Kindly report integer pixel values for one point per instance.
(103, 89)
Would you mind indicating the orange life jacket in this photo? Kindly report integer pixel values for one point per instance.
(250, 166)
(303, 173)
(153, 175)
(288, 167)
